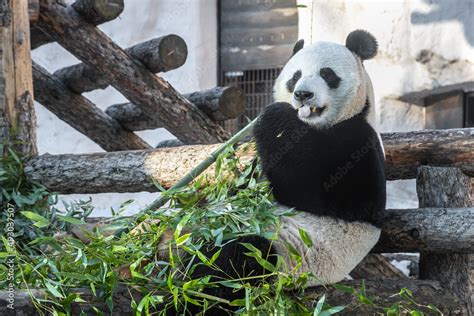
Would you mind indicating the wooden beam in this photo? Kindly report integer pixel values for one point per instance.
(16, 86)
(220, 104)
(448, 187)
(168, 165)
(158, 55)
(405, 152)
(82, 114)
(382, 294)
(439, 230)
(96, 11)
(155, 97)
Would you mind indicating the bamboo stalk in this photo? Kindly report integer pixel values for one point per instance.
(189, 177)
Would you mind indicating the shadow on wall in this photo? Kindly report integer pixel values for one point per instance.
(448, 10)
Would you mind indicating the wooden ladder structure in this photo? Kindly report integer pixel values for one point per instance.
(442, 161)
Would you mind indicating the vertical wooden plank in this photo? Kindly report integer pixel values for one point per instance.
(447, 187)
(16, 84)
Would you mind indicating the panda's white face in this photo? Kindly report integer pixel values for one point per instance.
(325, 82)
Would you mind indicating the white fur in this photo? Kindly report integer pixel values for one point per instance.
(338, 246)
(343, 102)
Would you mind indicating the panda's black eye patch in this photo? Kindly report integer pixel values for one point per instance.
(290, 84)
(330, 77)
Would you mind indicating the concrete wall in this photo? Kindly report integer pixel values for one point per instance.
(441, 29)
(193, 20)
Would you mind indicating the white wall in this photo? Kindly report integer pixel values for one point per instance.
(194, 20)
(403, 29)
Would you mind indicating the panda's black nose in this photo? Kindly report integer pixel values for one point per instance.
(302, 95)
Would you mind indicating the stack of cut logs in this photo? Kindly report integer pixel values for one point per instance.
(442, 161)
(192, 118)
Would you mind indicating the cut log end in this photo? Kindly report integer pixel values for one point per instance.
(99, 11)
(173, 52)
(232, 102)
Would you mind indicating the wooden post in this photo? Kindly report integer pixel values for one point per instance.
(16, 86)
(447, 187)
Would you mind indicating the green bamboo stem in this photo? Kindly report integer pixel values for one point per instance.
(199, 169)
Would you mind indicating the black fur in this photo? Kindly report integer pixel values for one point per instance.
(330, 77)
(235, 264)
(362, 43)
(290, 84)
(298, 46)
(336, 171)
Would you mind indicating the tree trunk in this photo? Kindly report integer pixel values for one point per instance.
(448, 187)
(220, 104)
(155, 97)
(16, 87)
(82, 114)
(169, 165)
(158, 55)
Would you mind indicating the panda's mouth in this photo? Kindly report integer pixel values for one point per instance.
(317, 111)
(307, 111)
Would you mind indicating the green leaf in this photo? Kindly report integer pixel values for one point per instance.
(39, 221)
(344, 288)
(319, 306)
(71, 220)
(53, 290)
(183, 239)
(332, 311)
(305, 237)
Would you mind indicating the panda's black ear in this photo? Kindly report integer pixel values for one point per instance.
(362, 43)
(298, 46)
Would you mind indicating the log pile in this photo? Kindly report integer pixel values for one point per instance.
(192, 118)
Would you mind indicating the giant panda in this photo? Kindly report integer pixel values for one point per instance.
(323, 158)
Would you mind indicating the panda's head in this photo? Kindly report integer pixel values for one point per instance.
(326, 82)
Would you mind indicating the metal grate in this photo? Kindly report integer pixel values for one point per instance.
(257, 85)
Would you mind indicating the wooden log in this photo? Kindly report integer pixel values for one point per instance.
(447, 187)
(440, 230)
(155, 97)
(382, 293)
(169, 165)
(82, 114)
(16, 84)
(33, 11)
(451, 147)
(220, 104)
(105, 12)
(158, 55)
(99, 11)
(375, 266)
